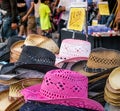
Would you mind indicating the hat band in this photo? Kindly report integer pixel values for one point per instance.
(93, 70)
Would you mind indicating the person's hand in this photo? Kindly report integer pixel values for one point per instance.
(24, 18)
(60, 9)
(14, 26)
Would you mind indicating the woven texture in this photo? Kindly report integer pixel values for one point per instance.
(112, 88)
(16, 50)
(42, 42)
(39, 56)
(73, 48)
(73, 88)
(14, 89)
(103, 58)
(37, 106)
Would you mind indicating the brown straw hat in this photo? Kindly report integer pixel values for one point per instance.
(11, 99)
(100, 59)
(16, 50)
(42, 42)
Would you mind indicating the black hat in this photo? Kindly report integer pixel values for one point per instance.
(33, 58)
(37, 106)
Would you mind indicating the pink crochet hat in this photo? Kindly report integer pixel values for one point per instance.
(64, 87)
(72, 50)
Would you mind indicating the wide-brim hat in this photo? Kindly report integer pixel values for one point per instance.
(100, 60)
(72, 50)
(71, 85)
(33, 58)
(11, 99)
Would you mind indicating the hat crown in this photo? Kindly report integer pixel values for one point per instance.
(62, 84)
(42, 42)
(75, 48)
(35, 55)
(103, 58)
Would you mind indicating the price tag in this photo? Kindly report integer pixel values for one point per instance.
(103, 8)
(76, 19)
(94, 22)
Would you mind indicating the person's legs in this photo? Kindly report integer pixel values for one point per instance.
(38, 26)
(61, 25)
(6, 28)
(31, 25)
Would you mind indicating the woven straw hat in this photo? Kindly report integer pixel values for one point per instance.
(100, 59)
(42, 42)
(11, 100)
(16, 50)
(112, 88)
(114, 79)
(72, 50)
(41, 60)
(64, 87)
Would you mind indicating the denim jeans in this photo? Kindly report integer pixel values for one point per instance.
(6, 28)
(104, 19)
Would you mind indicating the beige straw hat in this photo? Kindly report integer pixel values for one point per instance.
(11, 99)
(16, 50)
(114, 79)
(112, 88)
(100, 59)
(42, 42)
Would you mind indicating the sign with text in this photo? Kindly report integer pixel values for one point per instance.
(77, 18)
(103, 8)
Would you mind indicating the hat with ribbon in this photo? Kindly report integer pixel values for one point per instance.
(12, 100)
(100, 59)
(73, 50)
(64, 87)
(33, 58)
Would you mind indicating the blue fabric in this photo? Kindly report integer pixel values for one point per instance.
(37, 106)
(6, 28)
(103, 19)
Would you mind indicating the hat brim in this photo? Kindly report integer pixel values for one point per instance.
(79, 67)
(60, 59)
(6, 105)
(11, 67)
(33, 93)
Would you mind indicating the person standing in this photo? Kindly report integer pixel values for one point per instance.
(9, 27)
(37, 17)
(29, 17)
(22, 9)
(45, 14)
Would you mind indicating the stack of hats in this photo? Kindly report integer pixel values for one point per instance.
(32, 40)
(112, 88)
(15, 50)
(98, 67)
(5, 49)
